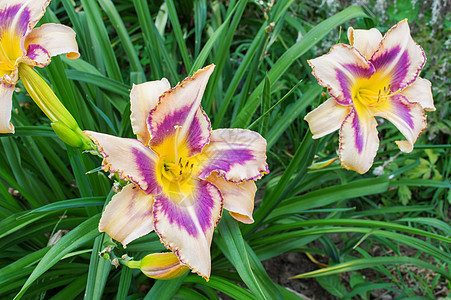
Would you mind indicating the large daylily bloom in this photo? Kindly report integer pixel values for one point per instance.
(21, 44)
(182, 173)
(374, 76)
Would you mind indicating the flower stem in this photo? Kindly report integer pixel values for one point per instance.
(133, 264)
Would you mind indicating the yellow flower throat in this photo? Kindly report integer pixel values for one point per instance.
(175, 167)
(373, 92)
(10, 51)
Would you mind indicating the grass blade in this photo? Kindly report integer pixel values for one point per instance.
(81, 234)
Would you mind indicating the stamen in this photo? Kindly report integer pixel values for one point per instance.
(371, 98)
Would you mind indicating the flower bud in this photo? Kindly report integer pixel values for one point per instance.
(160, 266)
(66, 134)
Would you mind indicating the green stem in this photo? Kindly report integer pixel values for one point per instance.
(133, 264)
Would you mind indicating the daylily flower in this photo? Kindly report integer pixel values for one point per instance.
(373, 77)
(182, 173)
(20, 44)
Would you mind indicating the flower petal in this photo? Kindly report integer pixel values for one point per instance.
(366, 41)
(420, 92)
(130, 158)
(236, 154)
(408, 117)
(179, 116)
(36, 56)
(238, 197)
(185, 224)
(399, 57)
(339, 71)
(326, 118)
(143, 98)
(14, 21)
(22, 15)
(358, 141)
(128, 216)
(50, 40)
(6, 93)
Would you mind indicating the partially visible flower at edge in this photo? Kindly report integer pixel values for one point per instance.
(23, 46)
(374, 76)
(182, 173)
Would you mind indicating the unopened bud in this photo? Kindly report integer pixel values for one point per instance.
(160, 266)
(67, 135)
(322, 164)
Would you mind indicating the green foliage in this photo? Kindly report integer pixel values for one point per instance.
(391, 226)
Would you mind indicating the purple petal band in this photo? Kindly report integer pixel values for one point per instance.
(402, 110)
(400, 69)
(346, 82)
(180, 213)
(224, 160)
(147, 169)
(195, 138)
(359, 134)
(36, 51)
(8, 16)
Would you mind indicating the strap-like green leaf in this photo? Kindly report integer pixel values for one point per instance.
(83, 233)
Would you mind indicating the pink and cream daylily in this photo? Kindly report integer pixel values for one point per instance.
(373, 77)
(20, 43)
(182, 173)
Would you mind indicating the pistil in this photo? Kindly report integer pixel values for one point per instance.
(177, 172)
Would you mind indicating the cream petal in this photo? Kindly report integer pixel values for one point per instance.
(128, 216)
(6, 93)
(420, 92)
(50, 40)
(143, 98)
(236, 154)
(238, 197)
(339, 71)
(26, 13)
(185, 224)
(130, 158)
(366, 41)
(179, 115)
(327, 118)
(408, 117)
(399, 57)
(358, 141)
